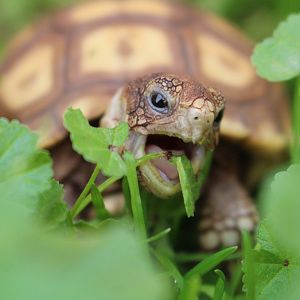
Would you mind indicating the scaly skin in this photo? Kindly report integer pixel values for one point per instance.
(191, 113)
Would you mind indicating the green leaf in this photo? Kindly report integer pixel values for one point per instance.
(220, 286)
(98, 202)
(278, 271)
(188, 182)
(118, 135)
(25, 171)
(110, 265)
(278, 58)
(51, 209)
(97, 145)
(283, 208)
(277, 254)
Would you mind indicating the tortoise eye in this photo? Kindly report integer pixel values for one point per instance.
(218, 118)
(159, 102)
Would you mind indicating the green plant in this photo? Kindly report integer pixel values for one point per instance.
(64, 256)
(272, 268)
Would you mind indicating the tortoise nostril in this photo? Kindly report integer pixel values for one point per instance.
(195, 117)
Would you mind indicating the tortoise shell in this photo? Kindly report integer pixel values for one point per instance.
(80, 56)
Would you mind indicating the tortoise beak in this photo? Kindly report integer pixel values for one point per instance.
(160, 176)
(212, 140)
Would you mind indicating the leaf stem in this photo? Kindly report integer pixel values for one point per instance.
(295, 147)
(84, 193)
(248, 265)
(86, 201)
(81, 204)
(220, 286)
(147, 157)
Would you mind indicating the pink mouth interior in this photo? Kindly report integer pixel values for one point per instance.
(159, 143)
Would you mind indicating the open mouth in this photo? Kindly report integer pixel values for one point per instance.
(173, 146)
(159, 175)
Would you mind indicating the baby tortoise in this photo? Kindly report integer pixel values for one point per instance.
(82, 55)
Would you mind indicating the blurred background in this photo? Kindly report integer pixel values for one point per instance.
(256, 17)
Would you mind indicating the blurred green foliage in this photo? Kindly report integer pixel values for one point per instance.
(257, 17)
(272, 269)
(278, 58)
(16, 14)
(35, 263)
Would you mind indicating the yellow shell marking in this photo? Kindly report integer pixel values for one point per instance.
(29, 79)
(95, 10)
(102, 50)
(224, 64)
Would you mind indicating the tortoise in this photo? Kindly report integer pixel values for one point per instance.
(82, 55)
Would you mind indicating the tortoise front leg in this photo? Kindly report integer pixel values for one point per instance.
(225, 210)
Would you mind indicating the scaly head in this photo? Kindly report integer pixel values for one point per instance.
(167, 112)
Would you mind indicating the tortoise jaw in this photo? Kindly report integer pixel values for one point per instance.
(159, 176)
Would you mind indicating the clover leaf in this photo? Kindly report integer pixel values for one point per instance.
(25, 171)
(277, 254)
(278, 58)
(283, 207)
(277, 270)
(97, 145)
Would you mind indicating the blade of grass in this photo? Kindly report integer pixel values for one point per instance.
(187, 181)
(210, 262)
(191, 288)
(192, 257)
(192, 285)
(158, 235)
(235, 281)
(98, 202)
(208, 290)
(170, 267)
(295, 147)
(84, 193)
(220, 286)
(136, 202)
(248, 265)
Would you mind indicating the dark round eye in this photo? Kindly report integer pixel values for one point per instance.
(159, 102)
(219, 117)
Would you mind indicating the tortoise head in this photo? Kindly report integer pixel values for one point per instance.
(167, 112)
